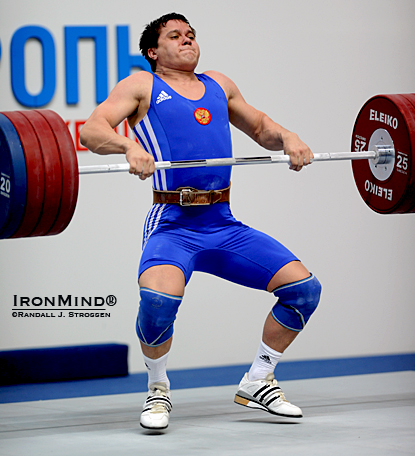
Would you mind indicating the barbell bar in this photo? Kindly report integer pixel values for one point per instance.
(380, 154)
(39, 172)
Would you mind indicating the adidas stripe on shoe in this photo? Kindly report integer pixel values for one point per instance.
(157, 407)
(265, 395)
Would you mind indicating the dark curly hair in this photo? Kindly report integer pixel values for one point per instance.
(149, 37)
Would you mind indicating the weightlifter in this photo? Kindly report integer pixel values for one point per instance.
(178, 114)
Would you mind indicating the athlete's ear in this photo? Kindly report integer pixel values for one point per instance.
(152, 53)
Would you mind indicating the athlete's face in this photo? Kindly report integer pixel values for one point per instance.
(177, 47)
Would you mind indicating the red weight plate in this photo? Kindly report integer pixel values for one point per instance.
(391, 117)
(410, 97)
(53, 173)
(69, 166)
(35, 173)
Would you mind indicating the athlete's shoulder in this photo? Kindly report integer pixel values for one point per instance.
(226, 83)
(216, 76)
(140, 78)
(140, 82)
(137, 86)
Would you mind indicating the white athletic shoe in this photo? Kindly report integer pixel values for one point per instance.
(157, 407)
(265, 395)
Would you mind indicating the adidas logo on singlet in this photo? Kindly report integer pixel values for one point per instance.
(162, 97)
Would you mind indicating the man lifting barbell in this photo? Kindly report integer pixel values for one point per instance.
(178, 115)
(182, 116)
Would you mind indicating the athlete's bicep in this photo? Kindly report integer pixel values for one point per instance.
(244, 116)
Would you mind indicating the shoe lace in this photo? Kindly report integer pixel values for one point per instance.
(271, 381)
(158, 407)
(161, 405)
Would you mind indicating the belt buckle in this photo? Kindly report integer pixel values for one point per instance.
(185, 199)
(192, 197)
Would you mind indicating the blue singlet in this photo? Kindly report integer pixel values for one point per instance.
(200, 238)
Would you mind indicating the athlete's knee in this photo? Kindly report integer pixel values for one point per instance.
(296, 302)
(156, 316)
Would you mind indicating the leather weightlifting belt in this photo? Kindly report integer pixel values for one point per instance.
(187, 196)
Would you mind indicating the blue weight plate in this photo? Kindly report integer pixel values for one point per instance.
(13, 179)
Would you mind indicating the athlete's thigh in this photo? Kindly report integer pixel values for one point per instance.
(245, 256)
(164, 278)
(168, 247)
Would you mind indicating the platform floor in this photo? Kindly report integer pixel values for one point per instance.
(351, 415)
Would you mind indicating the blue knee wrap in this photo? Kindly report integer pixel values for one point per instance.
(296, 303)
(156, 316)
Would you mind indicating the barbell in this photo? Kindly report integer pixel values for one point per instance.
(39, 172)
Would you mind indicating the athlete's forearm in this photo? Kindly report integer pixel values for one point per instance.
(98, 136)
(271, 135)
